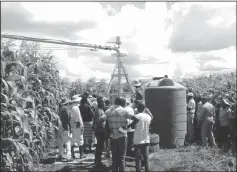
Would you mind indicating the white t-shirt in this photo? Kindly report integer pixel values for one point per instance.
(141, 134)
(76, 117)
(192, 106)
(199, 110)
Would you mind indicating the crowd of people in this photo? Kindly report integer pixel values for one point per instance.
(122, 128)
(211, 120)
(118, 129)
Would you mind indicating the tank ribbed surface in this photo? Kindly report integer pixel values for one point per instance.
(168, 106)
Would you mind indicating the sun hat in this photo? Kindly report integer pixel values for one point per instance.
(137, 84)
(76, 99)
(226, 102)
(65, 101)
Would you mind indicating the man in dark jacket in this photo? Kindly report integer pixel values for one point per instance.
(65, 117)
(100, 131)
(107, 140)
(87, 118)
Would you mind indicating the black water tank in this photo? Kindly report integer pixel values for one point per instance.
(168, 106)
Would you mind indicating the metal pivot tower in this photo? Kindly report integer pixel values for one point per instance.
(119, 72)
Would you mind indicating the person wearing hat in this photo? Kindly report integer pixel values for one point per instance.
(207, 115)
(100, 131)
(190, 116)
(191, 90)
(85, 96)
(77, 126)
(138, 91)
(65, 118)
(225, 116)
(198, 117)
(87, 117)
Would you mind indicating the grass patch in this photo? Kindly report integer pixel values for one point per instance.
(193, 158)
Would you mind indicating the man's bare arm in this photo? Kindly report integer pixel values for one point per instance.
(134, 122)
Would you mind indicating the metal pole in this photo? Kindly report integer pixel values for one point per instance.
(53, 41)
(118, 42)
(119, 74)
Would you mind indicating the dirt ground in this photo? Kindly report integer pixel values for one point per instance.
(83, 165)
(191, 158)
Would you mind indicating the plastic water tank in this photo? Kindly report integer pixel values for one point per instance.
(167, 102)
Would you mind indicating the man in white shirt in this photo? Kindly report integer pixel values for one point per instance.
(77, 126)
(141, 136)
(190, 116)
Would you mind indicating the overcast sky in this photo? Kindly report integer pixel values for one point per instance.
(182, 38)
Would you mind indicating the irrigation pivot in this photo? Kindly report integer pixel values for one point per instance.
(119, 69)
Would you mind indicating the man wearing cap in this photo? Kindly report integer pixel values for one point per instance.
(190, 90)
(190, 116)
(225, 116)
(208, 115)
(65, 118)
(77, 126)
(100, 131)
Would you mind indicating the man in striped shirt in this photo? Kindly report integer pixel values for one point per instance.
(207, 115)
(117, 118)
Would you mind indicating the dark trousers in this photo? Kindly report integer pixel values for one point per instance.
(130, 144)
(119, 149)
(141, 150)
(225, 136)
(100, 137)
(197, 133)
